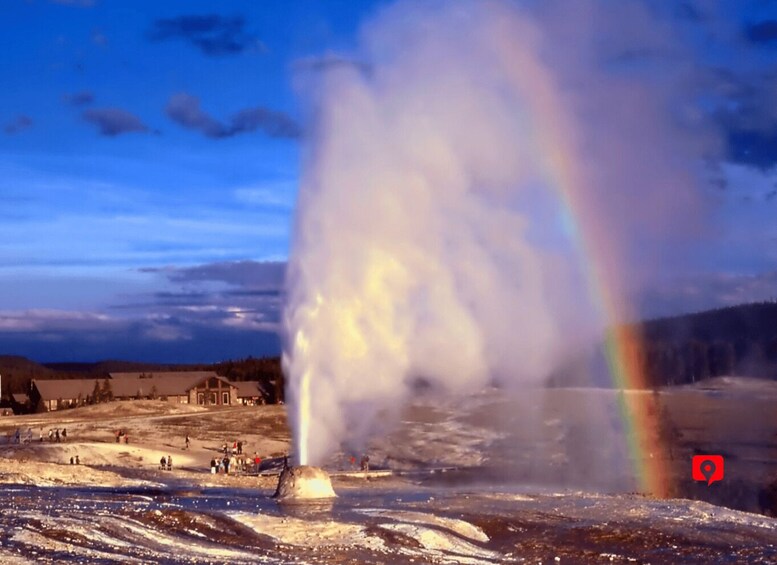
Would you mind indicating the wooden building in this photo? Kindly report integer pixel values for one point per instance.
(191, 387)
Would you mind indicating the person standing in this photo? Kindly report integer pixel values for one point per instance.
(226, 465)
(169, 463)
(188, 441)
(212, 465)
(56, 435)
(240, 448)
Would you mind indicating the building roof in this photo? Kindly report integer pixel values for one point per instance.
(126, 386)
(64, 388)
(249, 389)
(20, 397)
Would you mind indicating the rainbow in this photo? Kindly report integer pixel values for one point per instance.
(597, 255)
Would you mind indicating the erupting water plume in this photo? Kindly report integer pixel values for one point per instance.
(474, 190)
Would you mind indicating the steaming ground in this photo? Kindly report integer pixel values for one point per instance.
(529, 493)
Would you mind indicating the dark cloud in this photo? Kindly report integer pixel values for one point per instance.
(209, 313)
(751, 147)
(246, 274)
(114, 121)
(764, 32)
(212, 34)
(17, 125)
(185, 110)
(168, 340)
(82, 98)
(747, 115)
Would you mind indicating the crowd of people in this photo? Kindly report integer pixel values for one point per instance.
(19, 437)
(235, 463)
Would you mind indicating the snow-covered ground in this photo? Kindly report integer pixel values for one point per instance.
(540, 475)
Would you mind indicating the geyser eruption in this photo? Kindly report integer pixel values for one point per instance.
(464, 184)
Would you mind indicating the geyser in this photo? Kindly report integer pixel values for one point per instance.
(304, 482)
(473, 185)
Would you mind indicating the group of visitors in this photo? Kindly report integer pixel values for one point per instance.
(364, 463)
(121, 435)
(234, 464)
(237, 448)
(75, 460)
(166, 463)
(54, 435)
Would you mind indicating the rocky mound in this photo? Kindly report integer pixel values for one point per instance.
(304, 482)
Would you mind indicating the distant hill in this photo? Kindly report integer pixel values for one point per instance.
(18, 371)
(102, 368)
(746, 322)
(738, 340)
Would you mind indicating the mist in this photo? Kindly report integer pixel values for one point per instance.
(464, 176)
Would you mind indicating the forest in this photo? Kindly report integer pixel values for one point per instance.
(734, 341)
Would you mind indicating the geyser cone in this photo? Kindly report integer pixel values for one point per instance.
(304, 482)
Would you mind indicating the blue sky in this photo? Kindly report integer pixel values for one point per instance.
(149, 156)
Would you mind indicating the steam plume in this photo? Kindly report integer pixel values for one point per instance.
(432, 241)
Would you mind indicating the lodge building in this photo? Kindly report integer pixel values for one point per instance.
(205, 388)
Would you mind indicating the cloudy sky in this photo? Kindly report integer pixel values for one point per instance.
(149, 158)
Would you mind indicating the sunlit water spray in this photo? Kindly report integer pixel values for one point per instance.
(443, 172)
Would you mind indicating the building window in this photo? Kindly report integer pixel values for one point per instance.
(225, 398)
(200, 398)
(213, 398)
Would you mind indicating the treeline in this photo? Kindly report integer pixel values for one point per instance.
(734, 341)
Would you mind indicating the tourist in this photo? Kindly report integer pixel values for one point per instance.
(72, 460)
(233, 464)
(56, 435)
(169, 463)
(212, 465)
(234, 448)
(64, 434)
(365, 463)
(188, 441)
(240, 448)
(41, 435)
(226, 465)
(77, 461)
(162, 463)
(257, 461)
(51, 435)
